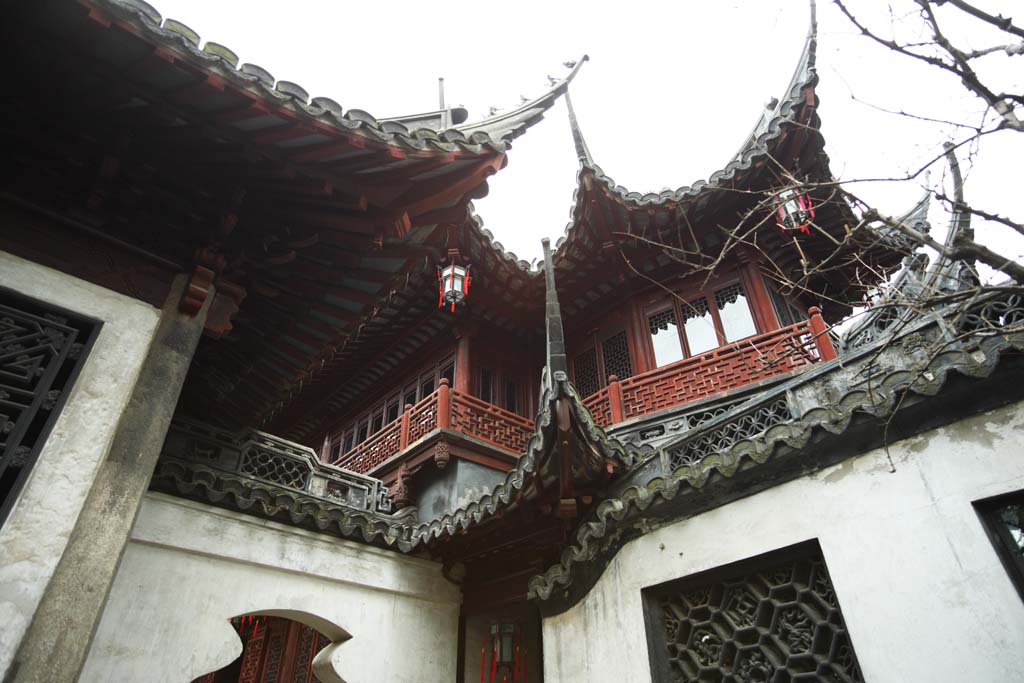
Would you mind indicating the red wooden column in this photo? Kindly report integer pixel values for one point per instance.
(764, 312)
(444, 405)
(463, 361)
(403, 428)
(615, 399)
(820, 331)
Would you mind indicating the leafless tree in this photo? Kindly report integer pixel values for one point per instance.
(919, 33)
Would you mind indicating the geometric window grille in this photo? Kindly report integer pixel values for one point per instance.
(42, 349)
(615, 350)
(770, 619)
(728, 295)
(663, 321)
(695, 309)
(584, 370)
(275, 468)
(1003, 517)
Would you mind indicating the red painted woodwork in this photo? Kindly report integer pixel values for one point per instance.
(727, 367)
(821, 337)
(444, 405)
(423, 418)
(275, 650)
(444, 409)
(490, 423)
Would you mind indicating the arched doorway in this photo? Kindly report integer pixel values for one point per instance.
(274, 650)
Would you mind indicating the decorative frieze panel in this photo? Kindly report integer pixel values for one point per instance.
(260, 457)
(773, 619)
(753, 422)
(41, 351)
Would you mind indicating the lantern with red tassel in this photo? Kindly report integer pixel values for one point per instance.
(453, 284)
(793, 211)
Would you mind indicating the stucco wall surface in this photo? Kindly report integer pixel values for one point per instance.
(190, 567)
(923, 593)
(37, 530)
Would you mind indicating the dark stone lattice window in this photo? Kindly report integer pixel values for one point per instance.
(1003, 517)
(770, 619)
(41, 352)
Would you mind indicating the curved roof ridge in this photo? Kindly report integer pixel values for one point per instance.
(484, 137)
(512, 124)
(767, 129)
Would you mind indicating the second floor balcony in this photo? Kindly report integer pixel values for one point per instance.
(716, 372)
(447, 416)
(448, 421)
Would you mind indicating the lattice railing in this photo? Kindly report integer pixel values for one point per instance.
(423, 418)
(599, 406)
(728, 367)
(443, 409)
(490, 423)
(372, 452)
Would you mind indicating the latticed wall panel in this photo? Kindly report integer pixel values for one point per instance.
(772, 620)
(615, 350)
(41, 351)
(584, 370)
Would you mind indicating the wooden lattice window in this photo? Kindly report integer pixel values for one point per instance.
(42, 350)
(584, 369)
(609, 355)
(615, 351)
(770, 619)
(708, 321)
(389, 409)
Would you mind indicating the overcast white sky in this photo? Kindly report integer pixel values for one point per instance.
(671, 90)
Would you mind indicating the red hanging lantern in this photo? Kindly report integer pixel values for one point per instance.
(453, 284)
(793, 211)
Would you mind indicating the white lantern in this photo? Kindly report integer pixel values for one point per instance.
(453, 285)
(794, 211)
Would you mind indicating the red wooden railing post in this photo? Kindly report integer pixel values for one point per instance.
(821, 339)
(615, 399)
(403, 430)
(444, 405)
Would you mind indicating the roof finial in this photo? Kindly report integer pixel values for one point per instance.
(553, 318)
(582, 152)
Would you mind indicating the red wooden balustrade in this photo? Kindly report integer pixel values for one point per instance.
(728, 367)
(443, 409)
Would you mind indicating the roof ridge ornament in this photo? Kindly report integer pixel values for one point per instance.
(556, 360)
(513, 123)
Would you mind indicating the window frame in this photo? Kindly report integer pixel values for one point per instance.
(987, 510)
(685, 297)
(412, 384)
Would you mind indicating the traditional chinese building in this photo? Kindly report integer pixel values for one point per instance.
(276, 407)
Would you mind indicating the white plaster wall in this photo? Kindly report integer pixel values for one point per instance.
(190, 567)
(923, 593)
(37, 530)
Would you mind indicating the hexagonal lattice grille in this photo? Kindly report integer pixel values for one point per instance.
(778, 624)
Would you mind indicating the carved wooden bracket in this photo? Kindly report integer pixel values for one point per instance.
(209, 264)
(198, 290)
(401, 495)
(226, 303)
(442, 453)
